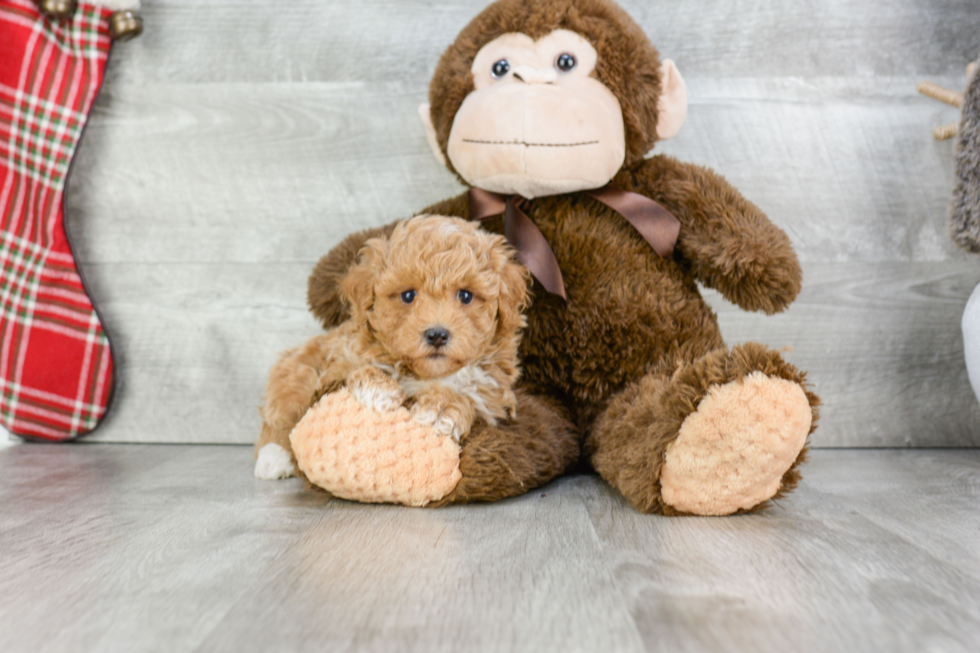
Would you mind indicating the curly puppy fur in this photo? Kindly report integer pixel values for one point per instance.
(431, 272)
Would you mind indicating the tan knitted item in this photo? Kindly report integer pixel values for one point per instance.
(940, 93)
(943, 94)
(356, 453)
(946, 131)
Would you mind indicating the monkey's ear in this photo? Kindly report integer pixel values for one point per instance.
(430, 132)
(357, 286)
(672, 108)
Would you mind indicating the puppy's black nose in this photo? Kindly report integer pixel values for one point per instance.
(437, 336)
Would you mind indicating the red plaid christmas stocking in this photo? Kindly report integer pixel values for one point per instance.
(55, 364)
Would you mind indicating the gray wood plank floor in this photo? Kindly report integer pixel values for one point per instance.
(177, 548)
(236, 141)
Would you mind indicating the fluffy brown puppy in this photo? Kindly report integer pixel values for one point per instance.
(435, 320)
(551, 99)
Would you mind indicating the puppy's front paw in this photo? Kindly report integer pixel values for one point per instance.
(441, 422)
(375, 389)
(445, 416)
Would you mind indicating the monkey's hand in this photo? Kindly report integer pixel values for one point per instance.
(375, 389)
(447, 412)
(727, 240)
(757, 273)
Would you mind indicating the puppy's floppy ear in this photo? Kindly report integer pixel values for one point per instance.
(357, 286)
(514, 287)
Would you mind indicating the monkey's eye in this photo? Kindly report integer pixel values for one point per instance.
(408, 296)
(500, 68)
(464, 296)
(565, 62)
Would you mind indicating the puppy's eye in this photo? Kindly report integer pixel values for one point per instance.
(500, 69)
(408, 296)
(464, 296)
(565, 62)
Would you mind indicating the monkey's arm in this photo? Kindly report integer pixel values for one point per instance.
(729, 244)
(323, 293)
(322, 290)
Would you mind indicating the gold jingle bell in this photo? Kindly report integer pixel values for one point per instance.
(125, 25)
(58, 9)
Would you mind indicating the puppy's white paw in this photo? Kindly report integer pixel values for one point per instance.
(424, 416)
(375, 389)
(447, 426)
(377, 398)
(273, 463)
(440, 422)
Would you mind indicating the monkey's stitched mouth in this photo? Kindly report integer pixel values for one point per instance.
(479, 142)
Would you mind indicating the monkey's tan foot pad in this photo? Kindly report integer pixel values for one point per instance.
(359, 454)
(733, 450)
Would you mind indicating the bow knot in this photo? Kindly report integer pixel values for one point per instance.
(657, 225)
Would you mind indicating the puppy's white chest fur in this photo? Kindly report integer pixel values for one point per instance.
(470, 381)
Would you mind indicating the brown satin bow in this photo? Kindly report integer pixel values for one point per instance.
(657, 225)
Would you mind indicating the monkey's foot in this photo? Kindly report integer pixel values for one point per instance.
(356, 453)
(733, 450)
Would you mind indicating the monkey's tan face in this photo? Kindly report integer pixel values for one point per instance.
(538, 123)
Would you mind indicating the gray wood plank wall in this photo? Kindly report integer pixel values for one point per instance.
(236, 141)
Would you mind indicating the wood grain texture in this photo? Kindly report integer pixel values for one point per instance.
(236, 142)
(866, 556)
(178, 548)
(195, 355)
(220, 41)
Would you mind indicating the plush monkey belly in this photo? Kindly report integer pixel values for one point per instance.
(668, 415)
(632, 370)
(547, 101)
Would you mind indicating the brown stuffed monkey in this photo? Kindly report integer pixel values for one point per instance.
(545, 110)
